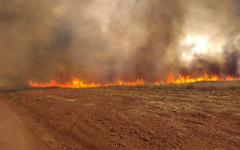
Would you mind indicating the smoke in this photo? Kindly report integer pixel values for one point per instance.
(104, 40)
(210, 38)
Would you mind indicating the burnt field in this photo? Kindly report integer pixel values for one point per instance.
(202, 115)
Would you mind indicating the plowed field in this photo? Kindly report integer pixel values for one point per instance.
(131, 117)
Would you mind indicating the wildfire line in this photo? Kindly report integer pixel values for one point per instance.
(77, 83)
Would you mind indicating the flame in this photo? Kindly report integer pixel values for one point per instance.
(204, 77)
(77, 83)
(229, 78)
(137, 82)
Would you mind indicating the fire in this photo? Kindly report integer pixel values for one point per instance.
(204, 77)
(77, 83)
(137, 82)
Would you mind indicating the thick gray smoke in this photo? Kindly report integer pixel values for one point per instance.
(105, 40)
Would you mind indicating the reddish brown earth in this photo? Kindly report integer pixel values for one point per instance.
(14, 135)
(130, 117)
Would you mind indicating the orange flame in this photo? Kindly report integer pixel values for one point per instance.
(77, 83)
(137, 82)
(189, 79)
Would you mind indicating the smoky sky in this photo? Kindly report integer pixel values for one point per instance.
(105, 40)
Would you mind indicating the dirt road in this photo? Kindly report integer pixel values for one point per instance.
(13, 134)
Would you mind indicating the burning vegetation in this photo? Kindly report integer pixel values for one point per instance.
(76, 83)
(123, 42)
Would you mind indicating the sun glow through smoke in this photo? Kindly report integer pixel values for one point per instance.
(198, 43)
(193, 44)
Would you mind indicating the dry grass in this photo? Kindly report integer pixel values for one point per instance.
(203, 85)
(216, 85)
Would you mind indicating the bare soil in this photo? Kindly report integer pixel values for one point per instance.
(14, 135)
(130, 117)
